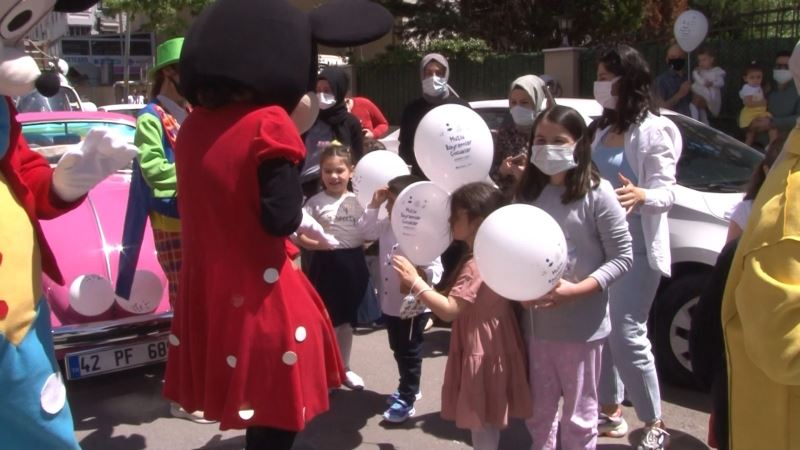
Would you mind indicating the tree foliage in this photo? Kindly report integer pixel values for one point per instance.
(527, 25)
(164, 17)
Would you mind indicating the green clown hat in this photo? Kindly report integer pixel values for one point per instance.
(169, 52)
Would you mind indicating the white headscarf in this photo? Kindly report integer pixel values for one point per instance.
(535, 88)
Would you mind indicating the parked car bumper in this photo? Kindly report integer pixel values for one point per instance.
(74, 338)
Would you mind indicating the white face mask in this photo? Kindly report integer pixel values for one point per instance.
(553, 159)
(434, 86)
(326, 100)
(603, 95)
(522, 116)
(782, 76)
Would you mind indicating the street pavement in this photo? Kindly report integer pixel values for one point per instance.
(125, 411)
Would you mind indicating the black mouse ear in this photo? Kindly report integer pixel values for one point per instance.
(73, 5)
(347, 23)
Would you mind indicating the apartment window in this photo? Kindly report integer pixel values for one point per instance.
(106, 48)
(69, 47)
(79, 30)
(139, 48)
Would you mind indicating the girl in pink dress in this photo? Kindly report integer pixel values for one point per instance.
(485, 381)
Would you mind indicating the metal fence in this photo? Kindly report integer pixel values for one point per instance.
(391, 87)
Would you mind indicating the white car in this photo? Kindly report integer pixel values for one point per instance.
(131, 109)
(712, 175)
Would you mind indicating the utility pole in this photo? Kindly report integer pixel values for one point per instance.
(126, 55)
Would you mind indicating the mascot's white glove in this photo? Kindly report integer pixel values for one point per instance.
(313, 230)
(82, 167)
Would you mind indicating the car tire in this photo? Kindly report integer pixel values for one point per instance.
(674, 307)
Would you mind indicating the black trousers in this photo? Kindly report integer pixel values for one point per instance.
(405, 339)
(265, 438)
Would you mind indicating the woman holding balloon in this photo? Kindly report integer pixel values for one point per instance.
(637, 151)
(485, 381)
(566, 328)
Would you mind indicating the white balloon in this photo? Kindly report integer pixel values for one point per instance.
(421, 221)
(690, 29)
(91, 295)
(521, 252)
(453, 146)
(146, 293)
(373, 172)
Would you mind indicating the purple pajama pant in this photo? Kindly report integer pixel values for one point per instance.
(574, 369)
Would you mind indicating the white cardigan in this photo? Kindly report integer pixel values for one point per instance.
(652, 149)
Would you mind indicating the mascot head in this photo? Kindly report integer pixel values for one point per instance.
(268, 48)
(19, 73)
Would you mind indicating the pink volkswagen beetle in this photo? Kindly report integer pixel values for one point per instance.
(94, 330)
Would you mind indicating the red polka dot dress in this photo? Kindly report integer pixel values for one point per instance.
(251, 343)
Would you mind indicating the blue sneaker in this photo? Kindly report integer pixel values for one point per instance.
(396, 396)
(399, 412)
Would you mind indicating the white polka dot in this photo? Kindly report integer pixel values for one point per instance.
(231, 360)
(300, 334)
(246, 414)
(237, 301)
(289, 358)
(174, 340)
(304, 414)
(54, 394)
(271, 275)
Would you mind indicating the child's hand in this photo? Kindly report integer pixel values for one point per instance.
(378, 198)
(405, 270)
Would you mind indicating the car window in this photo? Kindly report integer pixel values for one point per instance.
(712, 161)
(494, 117)
(64, 100)
(52, 139)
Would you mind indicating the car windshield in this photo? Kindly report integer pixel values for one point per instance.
(64, 100)
(712, 161)
(52, 139)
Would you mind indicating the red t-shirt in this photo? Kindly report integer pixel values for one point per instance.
(370, 116)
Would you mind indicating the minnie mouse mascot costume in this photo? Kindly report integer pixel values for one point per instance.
(251, 344)
(34, 413)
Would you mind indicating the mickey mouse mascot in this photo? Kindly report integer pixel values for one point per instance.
(34, 413)
(251, 343)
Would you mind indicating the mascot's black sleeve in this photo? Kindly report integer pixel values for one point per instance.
(281, 196)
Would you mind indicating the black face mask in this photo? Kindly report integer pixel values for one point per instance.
(677, 64)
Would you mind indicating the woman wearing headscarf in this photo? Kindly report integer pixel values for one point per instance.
(334, 122)
(525, 100)
(435, 73)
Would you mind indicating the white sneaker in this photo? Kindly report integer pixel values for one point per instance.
(180, 413)
(353, 381)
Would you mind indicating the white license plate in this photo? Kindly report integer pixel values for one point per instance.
(111, 359)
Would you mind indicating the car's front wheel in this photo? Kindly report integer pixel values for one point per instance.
(673, 318)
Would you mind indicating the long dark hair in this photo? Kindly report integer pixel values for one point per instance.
(760, 171)
(634, 97)
(579, 179)
(478, 200)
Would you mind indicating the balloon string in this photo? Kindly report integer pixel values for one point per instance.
(689, 66)
(530, 319)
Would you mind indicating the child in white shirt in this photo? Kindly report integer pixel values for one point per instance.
(707, 87)
(754, 117)
(404, 316)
